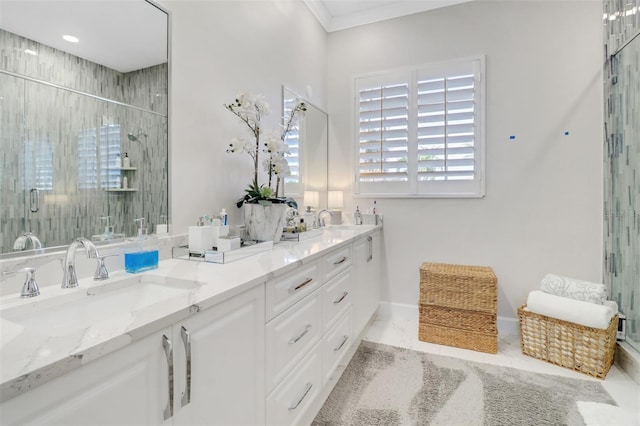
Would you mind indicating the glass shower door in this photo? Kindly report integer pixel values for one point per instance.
(622, 202)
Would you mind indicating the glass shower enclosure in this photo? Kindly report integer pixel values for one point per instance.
(622, 184)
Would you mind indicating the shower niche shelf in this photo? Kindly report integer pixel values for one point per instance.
(127, 168)
(121, 189)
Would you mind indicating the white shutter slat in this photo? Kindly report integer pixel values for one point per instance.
(425, 110)
(383, 157)
(459, 82)
(460, 129)
(431, 98)
(462, 164)
(450, 152)
(377, 145)
(461, 105)
(435, 130)
(460, 95)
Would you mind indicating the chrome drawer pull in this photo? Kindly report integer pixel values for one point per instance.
(186, 340)
(341, 298)
(344, 340)
(304, 394)
(294, 340)
(299, 286)
(342, 259)
(168, 351)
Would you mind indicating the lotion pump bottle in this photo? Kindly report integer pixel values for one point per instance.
(126, 162)
(357, 216)
(224, 217)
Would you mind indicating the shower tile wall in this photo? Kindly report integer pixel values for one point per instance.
(65, 136)
(622, 159)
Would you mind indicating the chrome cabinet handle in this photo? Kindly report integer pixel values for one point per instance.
(342, 259)
(344, 340)
(293, 406)
(299, 286)
(186, 340)
(341, 298)
(295, 340)
(370, 239)
(168, 351)
(34, 200)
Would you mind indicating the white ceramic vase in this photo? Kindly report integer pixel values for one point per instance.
(264, 223)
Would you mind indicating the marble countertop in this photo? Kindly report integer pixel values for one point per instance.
(31, 357)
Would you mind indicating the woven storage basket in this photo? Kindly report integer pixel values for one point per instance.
(458, 306)
(459, 286)
(465, 339)
(480, 322)
(574, 346)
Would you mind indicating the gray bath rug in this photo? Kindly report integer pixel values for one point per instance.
(388, 386)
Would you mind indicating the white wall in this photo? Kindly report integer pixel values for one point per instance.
(543, 208)
(219, 49)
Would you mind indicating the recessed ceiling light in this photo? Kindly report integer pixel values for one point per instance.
(31, 52)
(70, 38)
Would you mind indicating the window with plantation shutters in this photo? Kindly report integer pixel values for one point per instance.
(419, 131)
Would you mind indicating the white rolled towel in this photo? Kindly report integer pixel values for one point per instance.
(575, 311)
(573, 288)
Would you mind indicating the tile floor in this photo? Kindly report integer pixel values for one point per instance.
(403, 332)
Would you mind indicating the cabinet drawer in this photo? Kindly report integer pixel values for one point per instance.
(337, 294)
(290, 336)
(336, 261)
(286, 290)
(336, 344)
(289, 401)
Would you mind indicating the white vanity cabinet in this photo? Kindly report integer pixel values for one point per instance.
(308, 335)
(267, 355)
(210, 365)
(129, 386)
(219, 363)
(368, 271)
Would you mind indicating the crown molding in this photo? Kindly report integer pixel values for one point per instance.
(376, 14)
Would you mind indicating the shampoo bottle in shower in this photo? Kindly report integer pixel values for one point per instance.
(126, 161)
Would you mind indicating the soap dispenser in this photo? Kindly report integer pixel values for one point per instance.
(140, 254)
(357, 216)
(109, 232)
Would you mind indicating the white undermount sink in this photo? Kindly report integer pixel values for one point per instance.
(64, 314)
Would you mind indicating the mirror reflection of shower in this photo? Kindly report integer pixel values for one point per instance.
(136, 137)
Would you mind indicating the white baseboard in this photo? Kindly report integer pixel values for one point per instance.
(389, 310)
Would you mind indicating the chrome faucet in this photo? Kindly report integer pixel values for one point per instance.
(321, 222)
(69, 278)
(30, 286)
(28, 238)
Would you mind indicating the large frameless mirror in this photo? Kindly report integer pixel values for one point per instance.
(83, 119)
(308, 153)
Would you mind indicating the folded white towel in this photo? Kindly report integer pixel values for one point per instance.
(575, 311)
(574, 289)
(612, 304)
